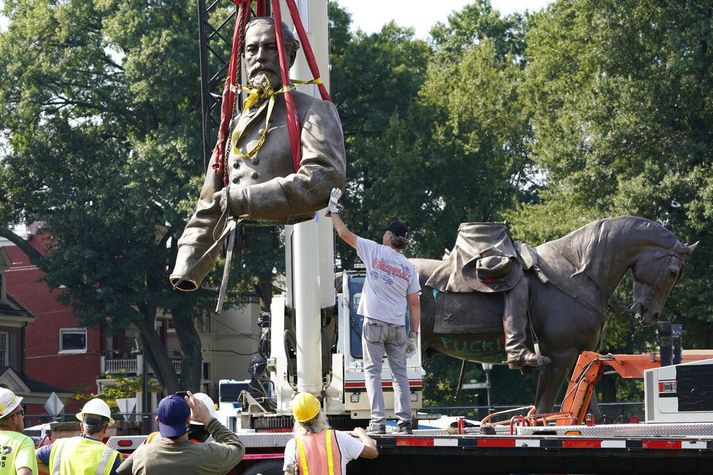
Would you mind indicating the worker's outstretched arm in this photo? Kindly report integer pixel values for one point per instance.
(341, 228)
(343, 232)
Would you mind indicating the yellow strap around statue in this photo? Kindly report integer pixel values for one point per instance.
(303, 456)
(330, 456)
(256, 94)
(312, 81)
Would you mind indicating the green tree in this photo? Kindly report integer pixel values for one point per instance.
(620, 98)
(100, 105)
(375, 80)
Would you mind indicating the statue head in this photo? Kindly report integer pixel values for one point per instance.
(260, 52)
(655, 274)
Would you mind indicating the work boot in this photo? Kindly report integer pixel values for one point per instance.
(376, 429)
(404, 428)
(515, 328)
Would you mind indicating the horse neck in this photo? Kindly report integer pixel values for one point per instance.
(610, 247)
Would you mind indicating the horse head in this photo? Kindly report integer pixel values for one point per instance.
(655, 272)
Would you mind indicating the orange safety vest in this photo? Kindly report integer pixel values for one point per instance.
(321, 451)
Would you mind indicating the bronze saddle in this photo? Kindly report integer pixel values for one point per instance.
(470, 283)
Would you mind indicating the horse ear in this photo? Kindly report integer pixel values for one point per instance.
(687, 249)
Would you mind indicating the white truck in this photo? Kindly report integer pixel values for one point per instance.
(264, 401)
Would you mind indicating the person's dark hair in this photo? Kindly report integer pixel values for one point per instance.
(399, 234)
(94, 424)
(291, 42)
(399, 242)
(5, 421)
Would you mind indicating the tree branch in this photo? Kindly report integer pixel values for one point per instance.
(35, 256)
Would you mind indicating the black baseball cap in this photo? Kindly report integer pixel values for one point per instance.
(398, 229)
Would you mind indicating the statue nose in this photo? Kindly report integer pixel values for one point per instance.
(636, 307)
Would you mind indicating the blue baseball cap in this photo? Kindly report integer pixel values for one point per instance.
(172, 414)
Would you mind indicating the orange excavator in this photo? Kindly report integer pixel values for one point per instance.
(589, 368)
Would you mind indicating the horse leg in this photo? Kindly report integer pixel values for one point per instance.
(550, 381)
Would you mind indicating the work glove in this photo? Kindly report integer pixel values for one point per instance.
(230, 198)
(334, 200)
(411, 344)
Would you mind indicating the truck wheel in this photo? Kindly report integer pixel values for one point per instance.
(272, 467)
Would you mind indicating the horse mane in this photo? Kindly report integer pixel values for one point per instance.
(604, 237)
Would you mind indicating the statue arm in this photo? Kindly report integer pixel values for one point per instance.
(198, 236)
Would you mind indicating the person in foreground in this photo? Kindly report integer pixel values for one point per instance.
(85, 454)
(318, 450)
(175, 453)
(391, 285)
(18, 450)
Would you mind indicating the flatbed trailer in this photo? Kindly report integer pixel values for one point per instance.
(435, 451)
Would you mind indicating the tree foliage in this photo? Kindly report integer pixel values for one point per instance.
(620, 97)
(100, 105)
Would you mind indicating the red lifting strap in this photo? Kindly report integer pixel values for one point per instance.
(293, 124)
(307, 48)
(228, 103)
(227, 107)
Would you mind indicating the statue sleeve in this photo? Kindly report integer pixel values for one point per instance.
(323, 167)
(197, 237)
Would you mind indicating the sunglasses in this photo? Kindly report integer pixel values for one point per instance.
(21, 413)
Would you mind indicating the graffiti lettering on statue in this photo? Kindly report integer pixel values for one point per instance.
(473, 347)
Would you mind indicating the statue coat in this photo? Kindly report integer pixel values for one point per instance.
(269, 188)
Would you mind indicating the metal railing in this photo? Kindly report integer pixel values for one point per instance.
(129, 366)
(120, 365)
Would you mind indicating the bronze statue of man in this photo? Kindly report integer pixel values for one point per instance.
(262, 183)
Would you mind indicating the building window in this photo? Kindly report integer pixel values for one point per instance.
(4, 349)
(73, 340)
(204, 324)
(206, 370)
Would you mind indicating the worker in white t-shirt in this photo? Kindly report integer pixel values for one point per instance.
(391, 286)
(318, 450)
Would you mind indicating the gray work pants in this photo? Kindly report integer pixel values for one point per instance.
(378, 338)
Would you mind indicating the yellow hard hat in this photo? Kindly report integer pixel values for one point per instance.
(305, 407)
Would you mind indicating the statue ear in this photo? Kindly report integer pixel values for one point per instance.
(687, 249)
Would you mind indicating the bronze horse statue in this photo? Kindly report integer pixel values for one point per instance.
(567, 313)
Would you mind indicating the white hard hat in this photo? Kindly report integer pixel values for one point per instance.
(205, 399)
(8, 402)
(96, 407)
